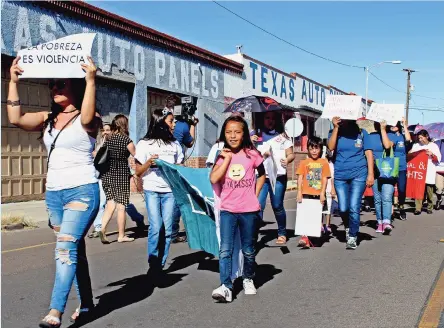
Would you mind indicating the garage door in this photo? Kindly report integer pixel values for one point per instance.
(23, 155)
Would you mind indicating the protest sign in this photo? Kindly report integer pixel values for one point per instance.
(391, 113)
(194, 195)
(346, 107)
(60, 58)
(308, 218)
(416, 174)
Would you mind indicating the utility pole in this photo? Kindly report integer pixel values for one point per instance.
(409, 72)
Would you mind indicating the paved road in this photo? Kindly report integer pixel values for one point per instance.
(384, 283)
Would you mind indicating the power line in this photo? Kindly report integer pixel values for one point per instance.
(285, 41)
(416, 95)
(427, 109)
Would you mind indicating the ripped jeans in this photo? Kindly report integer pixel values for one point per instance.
(71, 213)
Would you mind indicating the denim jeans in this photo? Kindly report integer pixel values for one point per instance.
(402, 187)
(229, 222)
(176, 222)
(277, 202)
(349, 198)
(160, 208)
(383, 191)
(72, 211)
(131, 210)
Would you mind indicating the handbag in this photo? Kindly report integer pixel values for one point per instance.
(388, 166)
(101, 161)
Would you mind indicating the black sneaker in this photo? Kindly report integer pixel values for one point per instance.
(429, 211)
(402, 215)
(438, 204)
(417, 212)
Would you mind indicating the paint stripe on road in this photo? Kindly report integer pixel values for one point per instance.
(434, 307)
(27, 247)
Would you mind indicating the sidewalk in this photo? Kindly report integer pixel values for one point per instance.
(36, 210)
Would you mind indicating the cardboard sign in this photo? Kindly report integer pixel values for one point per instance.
(416, 174)
(308, 218)
(60, 58)
(346, 107)
(391, 113)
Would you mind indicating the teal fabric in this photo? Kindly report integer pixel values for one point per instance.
(194, 195)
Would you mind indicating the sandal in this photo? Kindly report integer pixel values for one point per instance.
(103, 238)
(45, 324)
(79, 314)
(282, 240)
(125, 239)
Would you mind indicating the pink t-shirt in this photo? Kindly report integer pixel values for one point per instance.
(238, 193)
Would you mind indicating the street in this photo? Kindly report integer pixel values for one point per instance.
(383, 283)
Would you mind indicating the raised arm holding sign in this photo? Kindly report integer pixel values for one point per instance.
(391, 113)
(345, 107)
(60, 58)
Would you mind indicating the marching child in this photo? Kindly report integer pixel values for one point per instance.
(234, 171)
(313, 174)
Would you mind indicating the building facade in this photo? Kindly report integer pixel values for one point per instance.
(137, 69)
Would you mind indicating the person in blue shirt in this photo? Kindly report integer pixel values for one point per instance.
(383, 188)
(353, 165)
(401, 144)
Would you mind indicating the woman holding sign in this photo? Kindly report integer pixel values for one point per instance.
(434, 154)
(353, 164)
(400, 143)
(72, 190)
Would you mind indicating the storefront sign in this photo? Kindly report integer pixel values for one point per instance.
(345, 107)
(24, 26)
(296, 92)
(60, 58)
(391, 113)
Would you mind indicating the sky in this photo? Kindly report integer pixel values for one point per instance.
(356, 33)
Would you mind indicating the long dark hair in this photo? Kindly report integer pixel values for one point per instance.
(246, 144)
(120, 124)
(425, 134)
(158, 130)
(77, 88)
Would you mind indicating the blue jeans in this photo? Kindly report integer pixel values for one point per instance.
(383, 190)
(176, 222)
(277, 202)
(402, 187)
(247, 223)
(349, 198)
(131, 210)
(160, 208)
(71, 212)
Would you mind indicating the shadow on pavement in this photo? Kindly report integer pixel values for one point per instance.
(132, 290)
(184, 261)
(266, 236)
(264, 274)
(340, 235)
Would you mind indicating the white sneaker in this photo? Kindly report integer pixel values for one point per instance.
(222, 294)
(249, 288)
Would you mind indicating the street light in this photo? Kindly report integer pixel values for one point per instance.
(367, 70)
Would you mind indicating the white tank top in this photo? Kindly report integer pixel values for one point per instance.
(71, 163)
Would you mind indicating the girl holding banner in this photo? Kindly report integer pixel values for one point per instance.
(434, 157)
(158, 143)
(353, 164)
(72, 190)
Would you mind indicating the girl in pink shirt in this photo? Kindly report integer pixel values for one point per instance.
(234, 171)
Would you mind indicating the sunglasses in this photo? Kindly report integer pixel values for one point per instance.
(60, 84)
